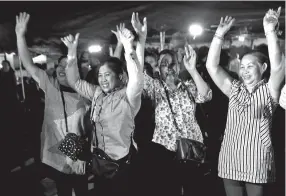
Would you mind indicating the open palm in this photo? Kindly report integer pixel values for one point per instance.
(71, 43)
(190, 59)
(270, 19)
(224, 25)
(21, 23)
(140, 29)
(116, 33)
(126, 38)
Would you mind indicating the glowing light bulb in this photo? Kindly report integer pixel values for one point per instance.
(195, 30)
(94, 48)
(241, 38)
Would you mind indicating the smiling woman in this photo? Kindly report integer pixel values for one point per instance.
(252, 67)
(62, 115)
(110, 75)
(60, 70)
(113, 110)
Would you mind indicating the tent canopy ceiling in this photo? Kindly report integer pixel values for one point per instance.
(93, 20)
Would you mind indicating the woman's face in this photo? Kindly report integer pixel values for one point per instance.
(60, 71)
(168, 70)
(107, 79)
(165, 59)
(251, 70)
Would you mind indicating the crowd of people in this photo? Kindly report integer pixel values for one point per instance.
(140, 103)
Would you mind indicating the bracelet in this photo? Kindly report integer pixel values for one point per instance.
(219, 37)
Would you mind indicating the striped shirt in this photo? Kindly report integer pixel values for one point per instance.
(282, 99)
(246, 153)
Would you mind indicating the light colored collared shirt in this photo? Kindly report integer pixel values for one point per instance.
(113, 117)
(54, 127)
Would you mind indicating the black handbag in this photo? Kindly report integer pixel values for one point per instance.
(101, 164)
(72, 145)
(188, 149)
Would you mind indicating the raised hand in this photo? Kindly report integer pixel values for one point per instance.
(126, 38)
(224, 25)
(116, 33)
(190, 59)
(71, 43)
(140, 29)
(21, 23)
(270, 19)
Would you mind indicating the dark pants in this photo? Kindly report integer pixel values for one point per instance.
(123, 183)
(66, 182)
(161, 174)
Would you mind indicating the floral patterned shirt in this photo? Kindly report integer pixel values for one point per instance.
(184, 108)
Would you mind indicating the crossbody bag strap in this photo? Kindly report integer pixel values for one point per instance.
(91, 119)
(95, 135)
(64, 106)
(170, 105)
(199, 105)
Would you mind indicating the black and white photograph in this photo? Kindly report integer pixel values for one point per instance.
(142, 98)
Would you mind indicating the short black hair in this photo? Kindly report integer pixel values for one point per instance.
(115, 64)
